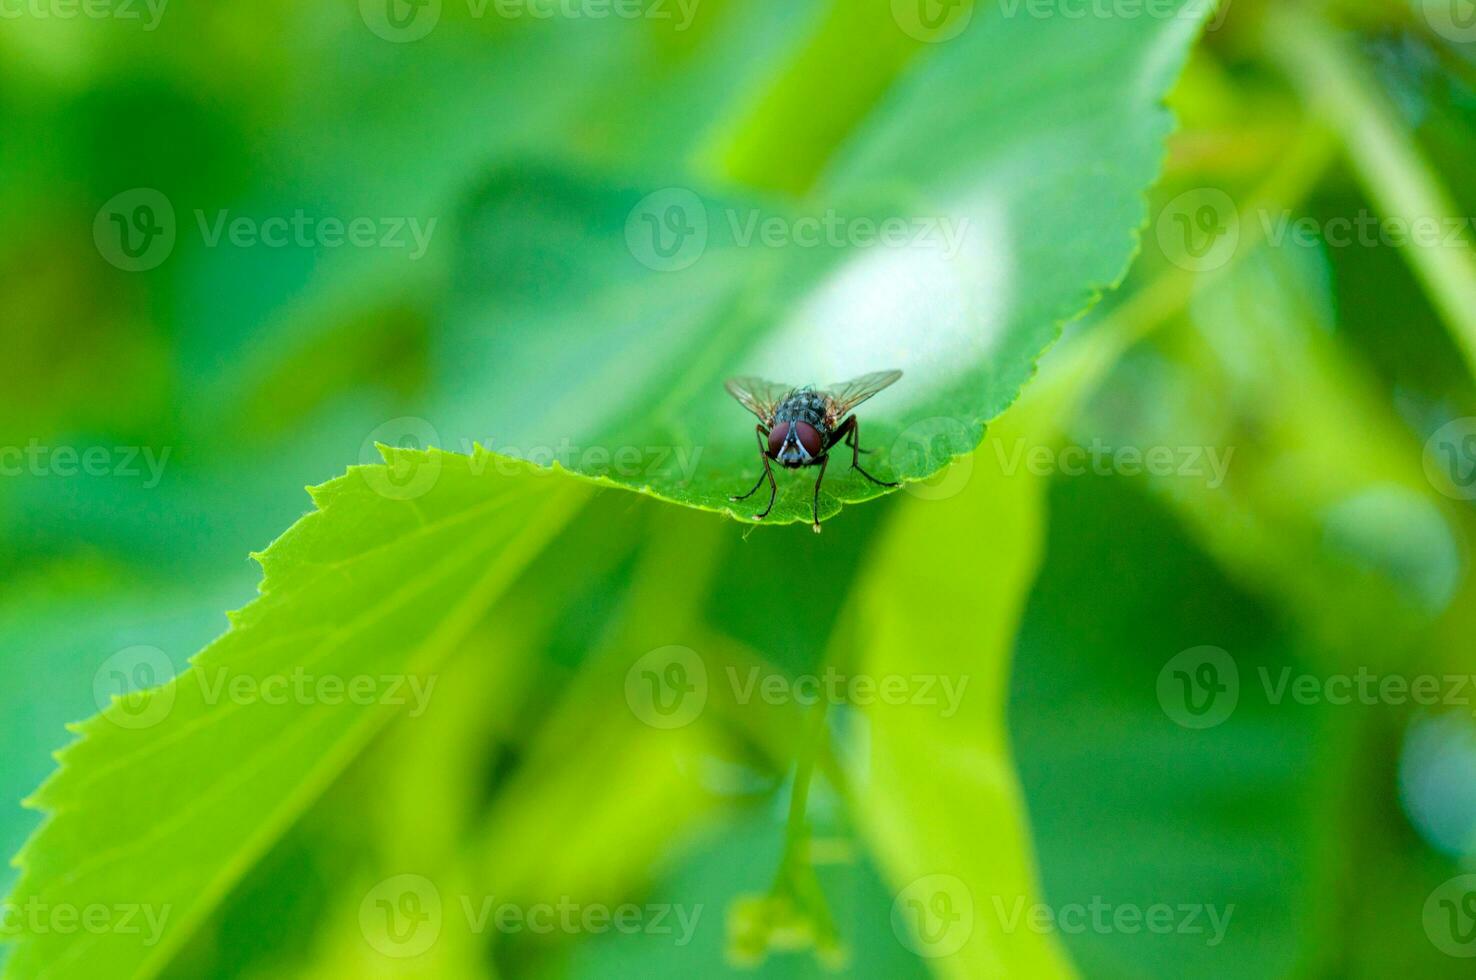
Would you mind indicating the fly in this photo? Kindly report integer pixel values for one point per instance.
(799, 426)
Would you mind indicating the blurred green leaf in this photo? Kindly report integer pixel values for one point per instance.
(939, 796)
(1256, 383)
(1225, 830)
(170, 794)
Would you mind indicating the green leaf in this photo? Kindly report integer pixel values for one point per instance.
(169, 795)
(595, 318)
(939, 796)
(1134, 812)
(1352, 539)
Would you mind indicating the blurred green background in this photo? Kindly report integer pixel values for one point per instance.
(1279, 317)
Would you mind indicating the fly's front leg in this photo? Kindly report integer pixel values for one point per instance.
(767, 474)
(850, 431)
(815, 511)
(763, 438)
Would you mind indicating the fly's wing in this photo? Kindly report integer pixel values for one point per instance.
(758, 396)
(841, 398)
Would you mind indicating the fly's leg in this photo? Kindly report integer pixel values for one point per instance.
(767, 474)
(763, 442)
(850, 431)
(815, 512)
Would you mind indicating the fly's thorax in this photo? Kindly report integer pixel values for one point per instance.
(807, 406)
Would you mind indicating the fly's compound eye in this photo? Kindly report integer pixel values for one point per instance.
(777, 436)
(809, 438)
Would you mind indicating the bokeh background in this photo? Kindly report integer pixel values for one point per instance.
(1209, 697)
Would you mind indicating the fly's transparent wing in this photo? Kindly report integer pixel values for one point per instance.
(758, 396)
(843, 397)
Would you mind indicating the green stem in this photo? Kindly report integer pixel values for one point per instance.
(1070, 375)
(1398, 179)
(797, 831)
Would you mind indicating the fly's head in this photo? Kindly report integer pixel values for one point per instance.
(794, 444)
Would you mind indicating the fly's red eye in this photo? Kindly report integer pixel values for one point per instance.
(809, 438)
(776, 437)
